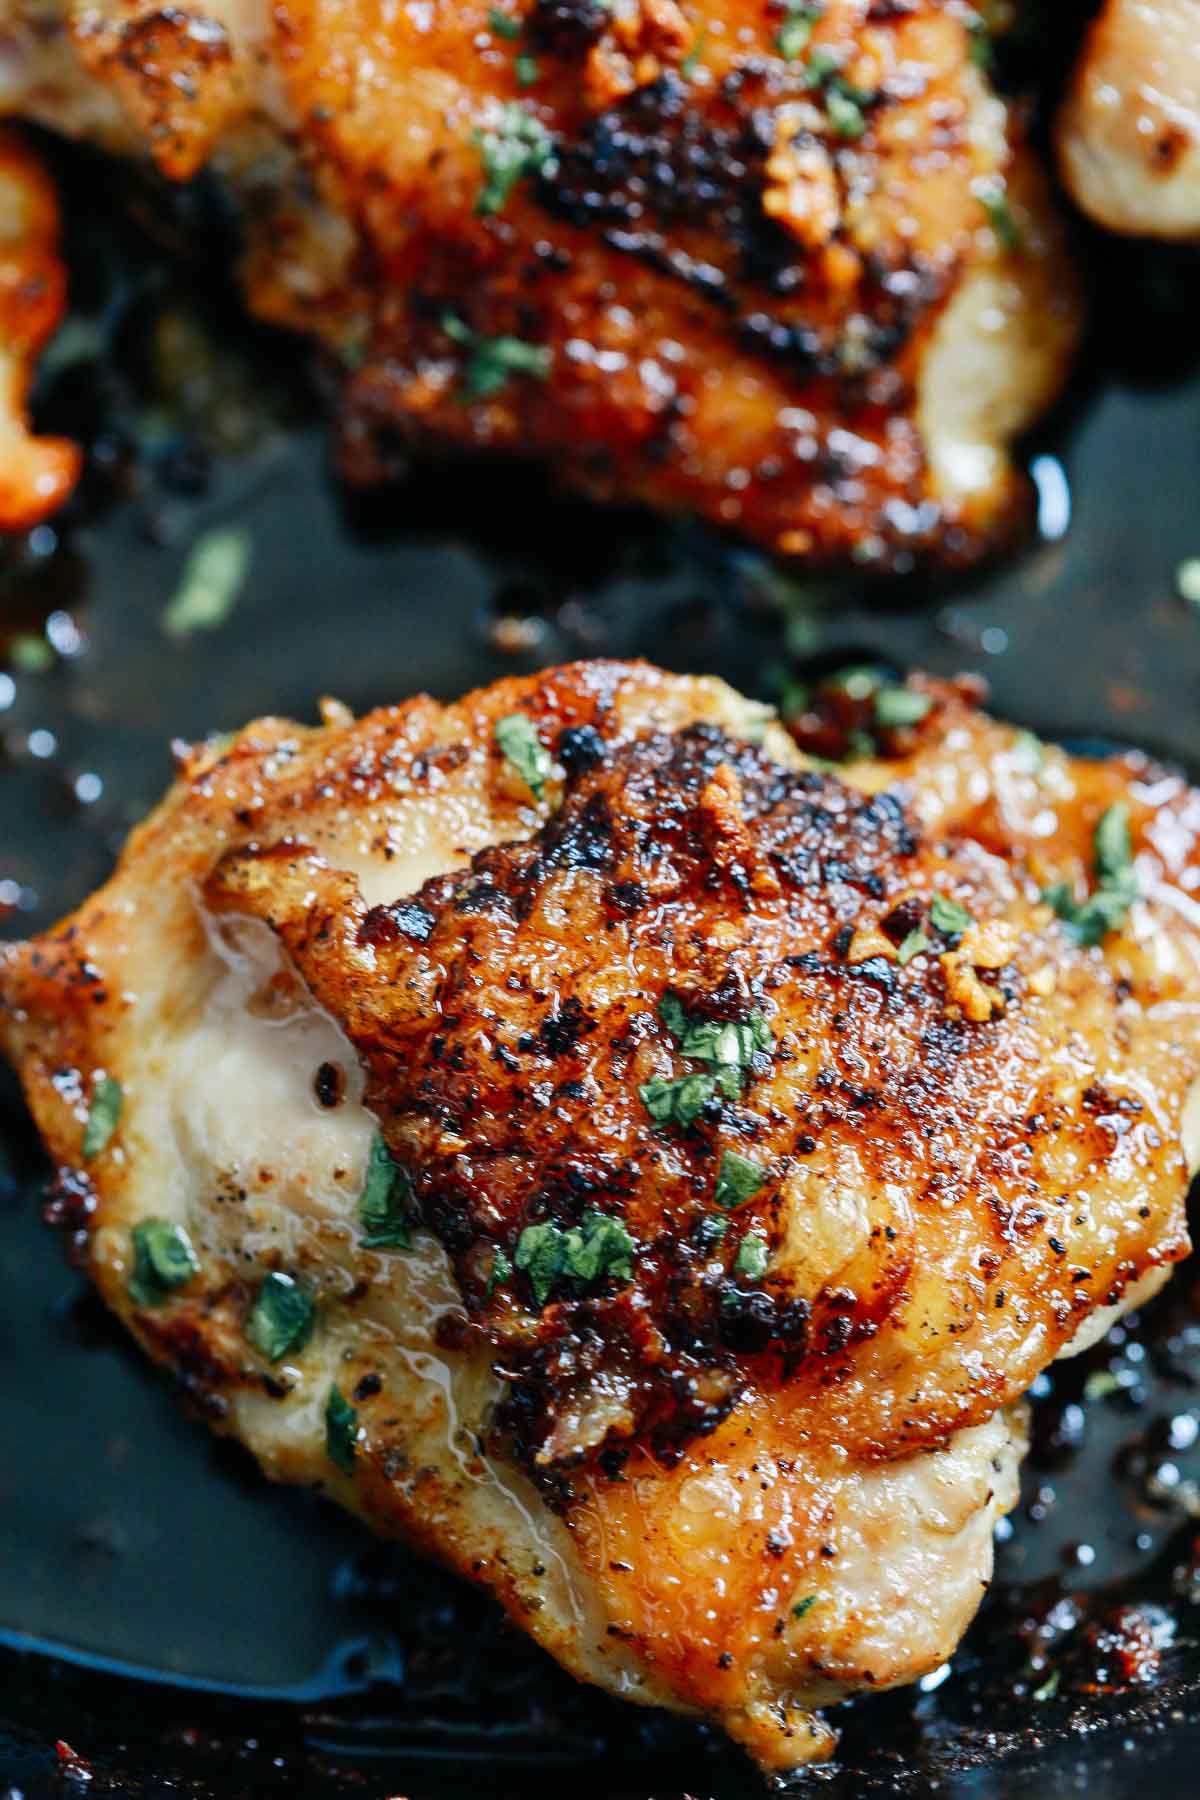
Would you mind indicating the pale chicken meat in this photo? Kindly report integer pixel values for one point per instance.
(631, 1158)
(1129, 132)
(789, 268)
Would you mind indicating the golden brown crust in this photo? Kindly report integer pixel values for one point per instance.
(968, 1152)
(728, 268)
(511, 1016)
(36, 474)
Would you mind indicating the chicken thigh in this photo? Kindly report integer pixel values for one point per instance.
(630, 1159)
(786, 266)
(1129, 133)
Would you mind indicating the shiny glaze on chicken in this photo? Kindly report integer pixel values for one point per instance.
(788, 268)
(36, 473)
(1129, 132)
(729, 1431)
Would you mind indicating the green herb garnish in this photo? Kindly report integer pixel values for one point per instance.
(596, 1250)
(948, 917)
(341, 1430)
(728, 1044)
(709, 1230)
(793, 36)
(104, 1115)
(213, 576)
(518, 145)
(282, 1319)
(1089, 921)
(994, 201)
(844, 108)
(491, 363)
(858, 681)
(803, 1607)
(501, 1270)
(722, 1041)
(503, 24)
(681, 1100)
(752, 1256)
(382, 1206)
(527, 70)
(691, 61)
(163, 1259)
(520, 745)
(913, 945)
(738, 1180)
(1049, 1687)
(1031, 748)
(897, 706)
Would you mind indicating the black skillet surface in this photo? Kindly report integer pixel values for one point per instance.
(181, 1625)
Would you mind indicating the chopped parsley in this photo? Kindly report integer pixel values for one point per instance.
(844, 107)
(692, 60)
(598, 1249)
(104, 1115)
(858, 681)
(752, 1256)
(913, 945)
(681, 1100)
(382, 1206)
(994, 201)
(516, 146)
(709, 1230)
(491, 363)
(520, 745)
(896, 706)
(844, 103)
(793, 36)
(527, 70)
(501, 1270)
(1187, 580)
(213, 577)
(1031, 749)
(282, 1319)
(341, 1430)
(728, 1044)
(1049, 1687)
(805, 1606)
(1089, 921)
(163, 1259)
(948, 917)
(503, 24)
(738, 1180)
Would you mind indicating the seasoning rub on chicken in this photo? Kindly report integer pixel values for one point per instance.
(784, 265)
(631, 1162)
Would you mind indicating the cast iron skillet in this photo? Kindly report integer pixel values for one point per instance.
(177, 1623)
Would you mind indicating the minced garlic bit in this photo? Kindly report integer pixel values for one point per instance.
(801, 192)
(868, 942)
(987, 946)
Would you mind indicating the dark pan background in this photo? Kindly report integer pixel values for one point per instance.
(182, 1625)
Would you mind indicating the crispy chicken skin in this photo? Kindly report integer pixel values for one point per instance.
(36, 474)
(721, 1400)
(810, 296)
(1129, 131)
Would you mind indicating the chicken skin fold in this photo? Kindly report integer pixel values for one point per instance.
(632, 1158)
(786, 267)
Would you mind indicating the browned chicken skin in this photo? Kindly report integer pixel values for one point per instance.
(787, 268)
(36, 474)
(755, 1133)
